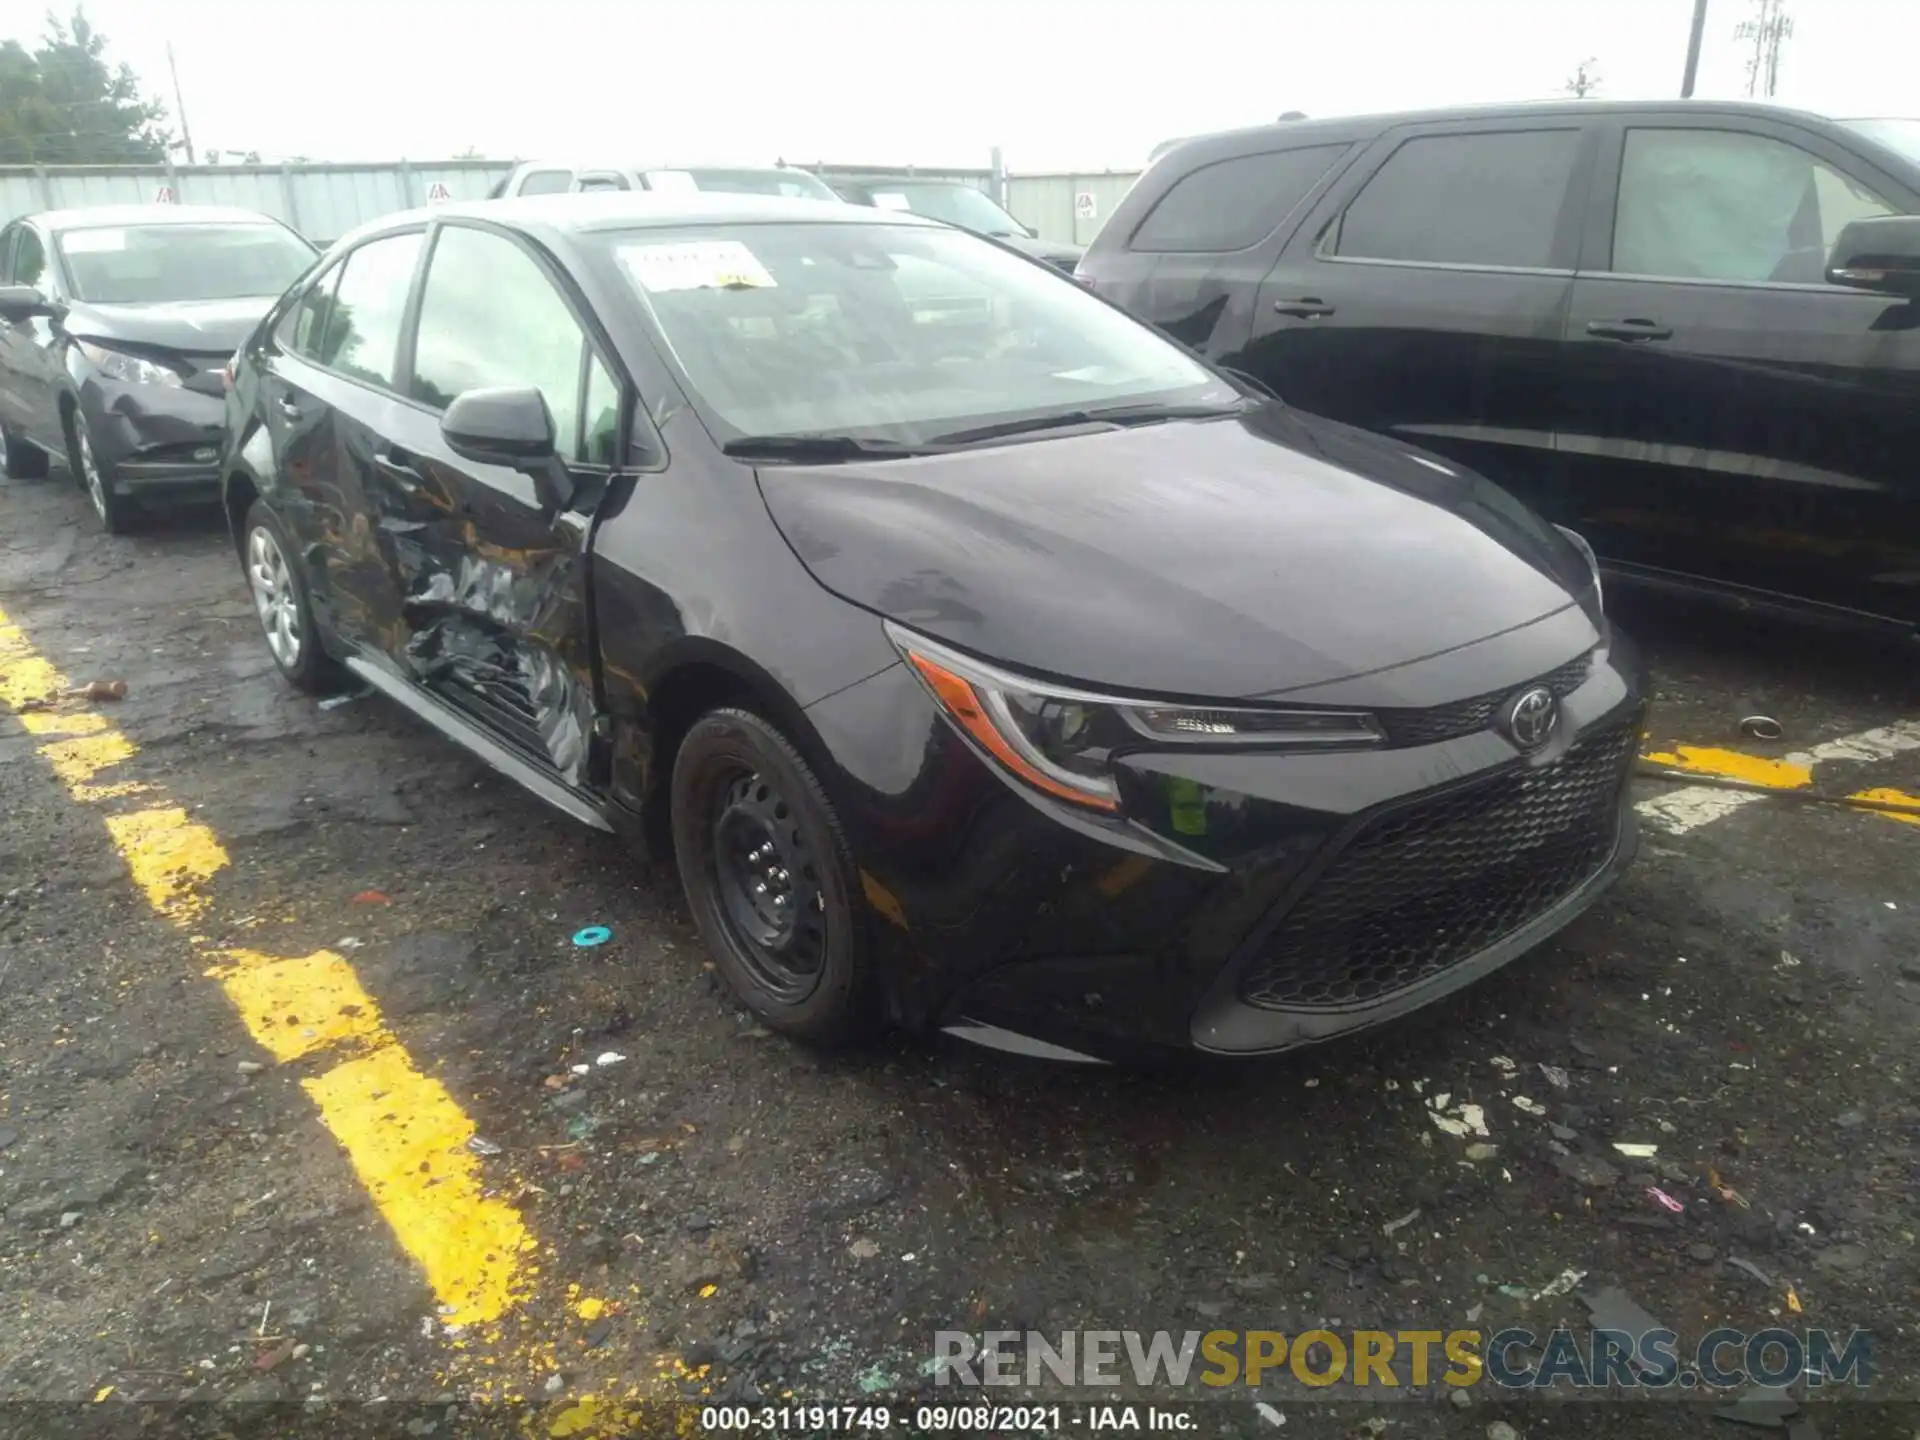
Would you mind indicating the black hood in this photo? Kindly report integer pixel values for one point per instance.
(1219, 558)
(188, 326)
(1051, 251)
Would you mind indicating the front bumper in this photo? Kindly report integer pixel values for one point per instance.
(1255, 903)
(154, 439)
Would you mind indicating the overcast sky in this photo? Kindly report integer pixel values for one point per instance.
(1059, 84)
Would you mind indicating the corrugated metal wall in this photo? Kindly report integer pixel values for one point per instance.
(1067, 208)
(323, 202)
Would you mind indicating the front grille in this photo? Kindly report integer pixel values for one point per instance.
(1424, 887)
(1468, 717)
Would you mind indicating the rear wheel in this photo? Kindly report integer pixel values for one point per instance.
(95, 477)
(19, 460)
(284, 604)
(771, 882)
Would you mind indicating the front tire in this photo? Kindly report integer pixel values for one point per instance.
(95, 478)
(771, 882)
(284, 604)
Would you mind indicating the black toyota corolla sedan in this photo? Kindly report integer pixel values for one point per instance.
(115, 322)
(996, 668)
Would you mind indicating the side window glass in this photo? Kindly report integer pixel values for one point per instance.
(361, 337)
(1234, 203)
(302, 326)
(29, 260)
(490, 317)
(1720, 205)
(600, 417)
(6, 253)
(1488, 199)
(547, 182)
(603, 181)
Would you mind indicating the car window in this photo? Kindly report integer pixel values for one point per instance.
(600, 417)
(603, 180)
(910, 330)
(182, 260)
(1488, 199)
(1721, 205)
(362, 334)
(6, 253)
(1234, 203)
(547, 182)
(29, 260)
(490, 317)
(302, 326)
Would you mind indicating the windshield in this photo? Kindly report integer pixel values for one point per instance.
(1901, 136)
(901, 332)
(960, 205)
(793, 184)
(151, 264)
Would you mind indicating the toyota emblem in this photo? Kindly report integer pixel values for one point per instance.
(1532, 717)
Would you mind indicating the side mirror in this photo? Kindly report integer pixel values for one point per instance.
(1882, 255)
(1032, 233)
(22, 302)
(513, 427)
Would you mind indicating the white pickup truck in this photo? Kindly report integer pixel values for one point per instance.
(546, 177)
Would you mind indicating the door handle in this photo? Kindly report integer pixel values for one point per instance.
(288, 409)
(1307, 307)
(397, 470)
(1629, 330)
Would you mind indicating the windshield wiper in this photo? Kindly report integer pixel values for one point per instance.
(1109, 415)
(804, 448)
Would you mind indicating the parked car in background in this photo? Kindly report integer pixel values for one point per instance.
(1690, 330)
(115, 323)
(674, 509)
(546, 177)
(964, 205)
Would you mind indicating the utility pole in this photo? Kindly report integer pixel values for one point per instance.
(180, 105)
(1693, 49)
(1772, 26)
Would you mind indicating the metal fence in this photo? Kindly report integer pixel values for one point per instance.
(1069, 208)
(323, 202)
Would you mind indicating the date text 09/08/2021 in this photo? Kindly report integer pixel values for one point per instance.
(969, 1419)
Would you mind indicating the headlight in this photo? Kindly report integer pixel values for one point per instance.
(1579, 542)
(1062, 741)
(118, 365)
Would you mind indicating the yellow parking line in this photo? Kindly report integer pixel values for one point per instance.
(403, 1133)
(1885, 796)
(1732, 765)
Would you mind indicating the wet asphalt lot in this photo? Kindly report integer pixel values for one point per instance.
(200, 1209)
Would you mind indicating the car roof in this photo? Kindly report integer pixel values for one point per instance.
(1348, 127)
(88, 216)
(639, 210)
(629, 168)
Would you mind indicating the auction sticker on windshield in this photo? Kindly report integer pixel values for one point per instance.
(696, 265)
(93, 242)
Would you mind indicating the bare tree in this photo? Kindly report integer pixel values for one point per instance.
(1768, 30)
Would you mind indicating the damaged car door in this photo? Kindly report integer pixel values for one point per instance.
(490, 565)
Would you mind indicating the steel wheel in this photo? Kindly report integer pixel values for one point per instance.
(274, 597)
(769, 888)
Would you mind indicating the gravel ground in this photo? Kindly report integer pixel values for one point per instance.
(721, 1214)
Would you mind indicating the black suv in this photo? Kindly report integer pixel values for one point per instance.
(1690, 331)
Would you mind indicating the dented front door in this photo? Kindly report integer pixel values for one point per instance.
(493, 590)
(493, 598)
